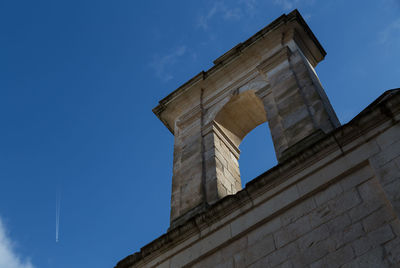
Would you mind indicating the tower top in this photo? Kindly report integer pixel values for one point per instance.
(311, 46)
(268, 78)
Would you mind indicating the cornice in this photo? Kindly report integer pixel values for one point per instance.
(232, 54)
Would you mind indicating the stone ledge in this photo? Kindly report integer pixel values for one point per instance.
(384, 109)
(235, 52)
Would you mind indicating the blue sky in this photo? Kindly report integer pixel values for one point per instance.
(78, 80)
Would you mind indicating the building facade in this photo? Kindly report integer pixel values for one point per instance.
(333, 200)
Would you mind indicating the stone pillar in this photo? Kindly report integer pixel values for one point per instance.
(222, 164)
(296, 104)
(187, 179)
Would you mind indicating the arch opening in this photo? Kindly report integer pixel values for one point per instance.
(257, 153)
(242, 114)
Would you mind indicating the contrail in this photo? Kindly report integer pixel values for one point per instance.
(58, 203)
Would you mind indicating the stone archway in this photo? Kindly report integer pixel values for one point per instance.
(241, 114)
(270, 78)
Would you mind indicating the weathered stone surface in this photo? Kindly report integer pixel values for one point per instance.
(211, 114)
(372, 240)
(292, 231)
(378, 218)
(334, 198)
(298, 211)
(259, 249)
(346, 218)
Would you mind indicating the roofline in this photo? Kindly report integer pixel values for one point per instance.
(385, 108)
(231, 54)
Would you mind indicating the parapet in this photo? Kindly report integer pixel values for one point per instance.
(333, 198)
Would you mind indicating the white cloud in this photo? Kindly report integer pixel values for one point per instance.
(392, 30)
(162, 64)
(8, 256)
(307, 17)
(286, 4)
(390, 4)
(229, 14)
(250, 5)
(239, 9)
(203, 20)
(220, 9)
(289, 5)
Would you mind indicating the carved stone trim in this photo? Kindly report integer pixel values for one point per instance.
(213, 127)
(382, 113)
(274, 60)
(225, 139)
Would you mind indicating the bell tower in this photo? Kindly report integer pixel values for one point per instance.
(269, 77)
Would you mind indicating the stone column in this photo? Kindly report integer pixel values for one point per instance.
(187, 186)
(221, 164)
(206, 167)
(296, 104)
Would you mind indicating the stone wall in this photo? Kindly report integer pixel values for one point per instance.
(334, 203)
(350, 223)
